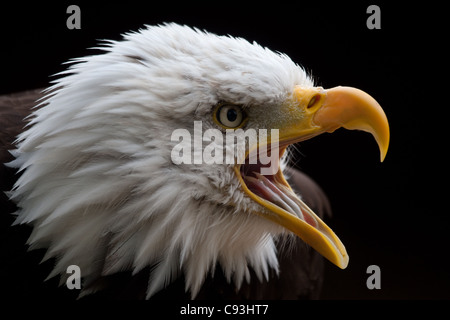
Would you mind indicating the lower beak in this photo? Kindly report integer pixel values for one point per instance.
(315, 111)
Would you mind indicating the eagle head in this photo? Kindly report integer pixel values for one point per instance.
(130, 160)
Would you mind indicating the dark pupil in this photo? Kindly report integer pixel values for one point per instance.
(232, 115)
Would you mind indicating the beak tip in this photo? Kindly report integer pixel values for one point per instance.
(384, 146)
(342, 261)
(344, 265)
(383, 155)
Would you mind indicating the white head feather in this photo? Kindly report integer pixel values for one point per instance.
(98, 183)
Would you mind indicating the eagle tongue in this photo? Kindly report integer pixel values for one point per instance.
(279, 195)
(267, 190)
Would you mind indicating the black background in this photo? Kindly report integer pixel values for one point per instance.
(393, 214)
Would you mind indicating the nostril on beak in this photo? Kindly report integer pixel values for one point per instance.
(313, 101)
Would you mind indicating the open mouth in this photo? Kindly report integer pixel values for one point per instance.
(274, 188)
(273, 192)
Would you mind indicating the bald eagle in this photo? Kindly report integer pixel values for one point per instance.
(101, 188)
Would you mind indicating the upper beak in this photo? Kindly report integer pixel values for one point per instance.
(346, 107)
(313, 111)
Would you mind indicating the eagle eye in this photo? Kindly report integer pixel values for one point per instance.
(230, 116)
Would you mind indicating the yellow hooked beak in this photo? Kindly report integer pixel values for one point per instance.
(310, 112)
